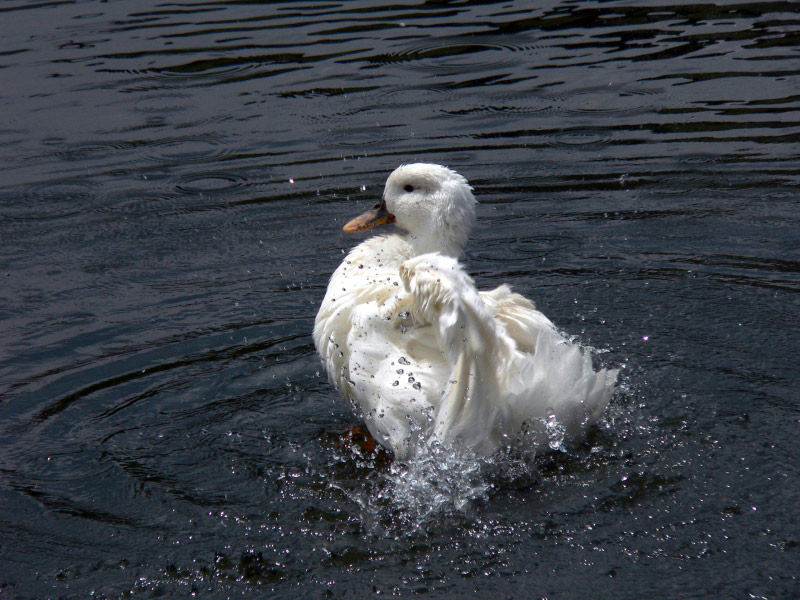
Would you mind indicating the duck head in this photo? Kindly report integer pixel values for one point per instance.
(432, 203)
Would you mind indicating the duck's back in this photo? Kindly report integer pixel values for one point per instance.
(550, 387)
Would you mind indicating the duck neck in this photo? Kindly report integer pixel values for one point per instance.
(424, 242)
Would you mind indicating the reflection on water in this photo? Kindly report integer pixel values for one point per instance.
(173, 181)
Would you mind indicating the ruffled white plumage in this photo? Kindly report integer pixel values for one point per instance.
(423, 356)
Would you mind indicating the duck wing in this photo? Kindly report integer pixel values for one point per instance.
(476, 347)
(510, 369)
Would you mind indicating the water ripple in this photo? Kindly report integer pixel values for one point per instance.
(175, 177)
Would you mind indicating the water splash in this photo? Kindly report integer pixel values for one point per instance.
(440, 486)
(438, 483)
(555, 432)
(445, 486)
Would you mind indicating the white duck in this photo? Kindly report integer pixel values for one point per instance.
(424, 356)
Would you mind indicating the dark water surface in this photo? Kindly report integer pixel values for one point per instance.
(174, 177)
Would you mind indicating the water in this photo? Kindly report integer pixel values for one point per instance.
(174, 180)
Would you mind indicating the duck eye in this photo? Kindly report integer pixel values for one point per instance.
(409, 188)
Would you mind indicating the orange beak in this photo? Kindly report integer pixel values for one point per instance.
(379, 215)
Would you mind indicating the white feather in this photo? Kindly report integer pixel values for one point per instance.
(424, 356)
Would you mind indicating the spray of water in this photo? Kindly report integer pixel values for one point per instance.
(440, 484)
(446, 485)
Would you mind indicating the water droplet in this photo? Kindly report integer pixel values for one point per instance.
(555, 432)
